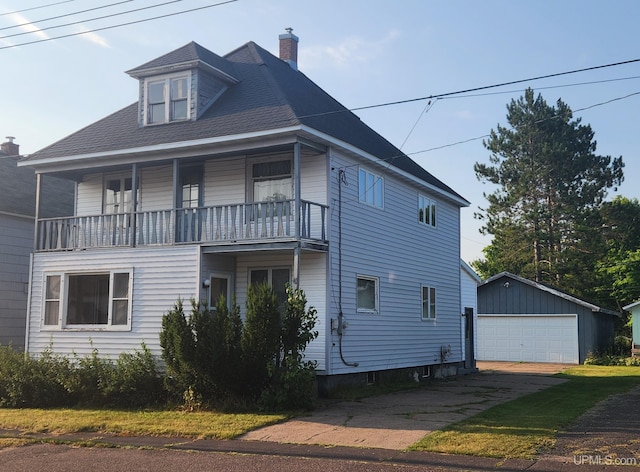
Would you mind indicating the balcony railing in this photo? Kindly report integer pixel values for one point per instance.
(224, 224)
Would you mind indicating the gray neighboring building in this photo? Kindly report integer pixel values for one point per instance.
(17, 221)
(524, 321)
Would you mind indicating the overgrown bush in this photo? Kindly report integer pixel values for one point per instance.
(611, 360)
(213, 358)
(27, 382)
(52, 380)
(292, 379)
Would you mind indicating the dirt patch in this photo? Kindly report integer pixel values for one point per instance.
(609, 431)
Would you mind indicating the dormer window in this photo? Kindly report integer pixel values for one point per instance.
(167, 99)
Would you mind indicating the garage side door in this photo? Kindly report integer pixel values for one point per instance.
(528, 338)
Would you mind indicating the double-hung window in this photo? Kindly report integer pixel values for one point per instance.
(118, 193)
(277, 278)
(272, 187)
(272, 181)
(100, 300)
(167, 99)
(426, 210)
(428, 303)
(367, 294)
(370, 188)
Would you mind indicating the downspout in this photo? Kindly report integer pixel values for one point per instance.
(342, 178)
(299, 214)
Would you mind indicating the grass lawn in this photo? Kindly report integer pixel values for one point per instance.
(522, 427)
(153, 423)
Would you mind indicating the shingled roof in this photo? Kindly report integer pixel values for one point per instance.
(269, 95)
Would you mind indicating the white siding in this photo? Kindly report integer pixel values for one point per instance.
(156, 188)
(16, 243)
(224, 181)
(90, 195)
(313, 176)
(391, 244)
(160, 277)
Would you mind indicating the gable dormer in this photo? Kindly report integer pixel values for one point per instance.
(181, 85)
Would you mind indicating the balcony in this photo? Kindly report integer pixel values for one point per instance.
(242, 223)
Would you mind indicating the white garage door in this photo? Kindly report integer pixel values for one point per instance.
(528, 338)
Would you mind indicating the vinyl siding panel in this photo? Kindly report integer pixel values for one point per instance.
(156, 188)
(391, 244)
(160, 277)
(16, 244)
(224, 181)
(313, 176)
(90, 195)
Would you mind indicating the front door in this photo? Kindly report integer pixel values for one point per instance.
(220, 285)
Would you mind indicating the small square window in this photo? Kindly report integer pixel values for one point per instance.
(367, 294)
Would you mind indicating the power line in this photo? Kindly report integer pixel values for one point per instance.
(60, 16)
(474, 89)
(550, 87)
(36, 8)
(91, 19)
(539, 121)
(119, 25)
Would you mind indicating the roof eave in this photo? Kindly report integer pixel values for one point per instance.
(181, 66)
(162, 151)
(356, 150)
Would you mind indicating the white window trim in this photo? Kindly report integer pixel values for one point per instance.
(376, 283)
(433, 210)
(262, 160)
(376, 178)
(64, 291)
(122, 177)
(167, 102)
(228, 276)
(435, 315)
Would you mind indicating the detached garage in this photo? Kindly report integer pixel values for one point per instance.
(524, 321)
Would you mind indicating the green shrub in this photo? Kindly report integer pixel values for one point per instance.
(260, 340)
(611, 360)
(57, 381)
(178, 351)
(213, 358)
(292, 379)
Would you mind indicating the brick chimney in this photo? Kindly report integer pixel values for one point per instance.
(10, 148)
(289, 48)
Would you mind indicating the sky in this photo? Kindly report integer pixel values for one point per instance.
(362, 52)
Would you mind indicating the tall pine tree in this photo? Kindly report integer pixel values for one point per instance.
(549, 179)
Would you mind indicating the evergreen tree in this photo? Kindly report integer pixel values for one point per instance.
(550, 180)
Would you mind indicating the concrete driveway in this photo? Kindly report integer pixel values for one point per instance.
(395, 421)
